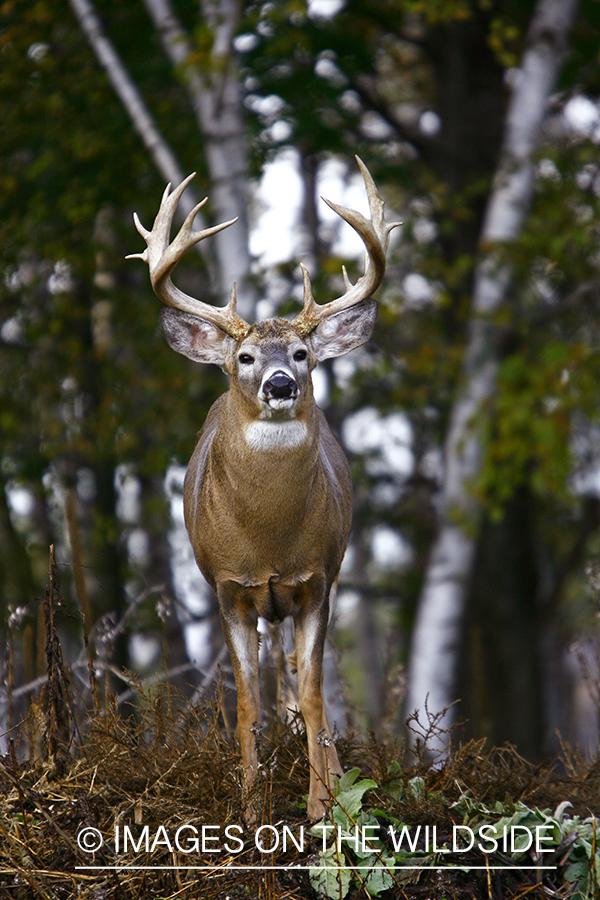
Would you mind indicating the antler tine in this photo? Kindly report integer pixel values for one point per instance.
(162, 255)
(375, 235)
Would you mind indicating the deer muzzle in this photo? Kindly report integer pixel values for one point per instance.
(280, 386)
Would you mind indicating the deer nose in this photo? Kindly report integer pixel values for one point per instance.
(280, 386)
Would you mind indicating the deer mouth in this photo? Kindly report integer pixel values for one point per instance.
(278, 409)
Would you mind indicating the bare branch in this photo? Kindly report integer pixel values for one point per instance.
(143, 122)
(128, 93)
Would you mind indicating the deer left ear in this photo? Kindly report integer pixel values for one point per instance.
(344, 331)
(195, 337)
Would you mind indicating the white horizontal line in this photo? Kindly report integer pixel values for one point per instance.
(318, 868)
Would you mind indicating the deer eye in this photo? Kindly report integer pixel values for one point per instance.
(246, 359)
(299, 355)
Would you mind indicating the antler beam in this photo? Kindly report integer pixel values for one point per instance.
(375, 235)
(162, 255)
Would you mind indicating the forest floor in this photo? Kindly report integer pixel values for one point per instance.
(152, 806)
(97, 804)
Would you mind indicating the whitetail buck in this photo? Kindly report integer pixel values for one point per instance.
(267, 494)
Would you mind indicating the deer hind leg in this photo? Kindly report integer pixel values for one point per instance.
(241, 636)
(286, 694)
(311, 628)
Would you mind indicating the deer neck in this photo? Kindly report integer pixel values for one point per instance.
(271, 432)
(264, 445)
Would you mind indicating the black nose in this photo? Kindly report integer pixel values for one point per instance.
(280, 386)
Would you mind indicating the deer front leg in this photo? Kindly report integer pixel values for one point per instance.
(239, 627)
(311, 628)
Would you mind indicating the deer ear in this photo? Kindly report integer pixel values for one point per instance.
(195, 337)
(345, 330)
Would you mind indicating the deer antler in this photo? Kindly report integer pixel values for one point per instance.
(162, 255)
(375, 235)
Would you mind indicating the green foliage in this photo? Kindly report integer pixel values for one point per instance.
(549, 374)
(573, 838)
(285, 64)
(366, 861)
(86, 382)
(369, 862)
(395, 62)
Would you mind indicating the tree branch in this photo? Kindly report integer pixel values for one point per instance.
(368, 94)
(127, 92)
(215, 95)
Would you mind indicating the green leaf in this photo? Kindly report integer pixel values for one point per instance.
(348, 794)
(346, 780)
(395, 785)
(417, 787)
(576, 872)
(331, 879)
(380, 878)
(561, 810)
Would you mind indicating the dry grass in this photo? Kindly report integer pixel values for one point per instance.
(168, 766)
(153, 771)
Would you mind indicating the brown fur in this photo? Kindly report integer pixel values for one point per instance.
(269, 534)
(268, 504)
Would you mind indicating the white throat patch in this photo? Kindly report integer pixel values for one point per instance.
(266, 434)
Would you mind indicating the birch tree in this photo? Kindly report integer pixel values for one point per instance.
(438, 628)
(216, 100)
(216, 97)
(73, 160)
(419, 90)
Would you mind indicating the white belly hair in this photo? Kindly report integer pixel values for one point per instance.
(266, 434)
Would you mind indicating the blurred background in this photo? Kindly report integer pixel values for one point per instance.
(471, 418)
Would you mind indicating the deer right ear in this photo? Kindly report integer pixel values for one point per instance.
(345, 330)
(195, 337)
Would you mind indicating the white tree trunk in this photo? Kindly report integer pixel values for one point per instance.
(438, 628)
(129, 96)
(216, 97)
(143, 122)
